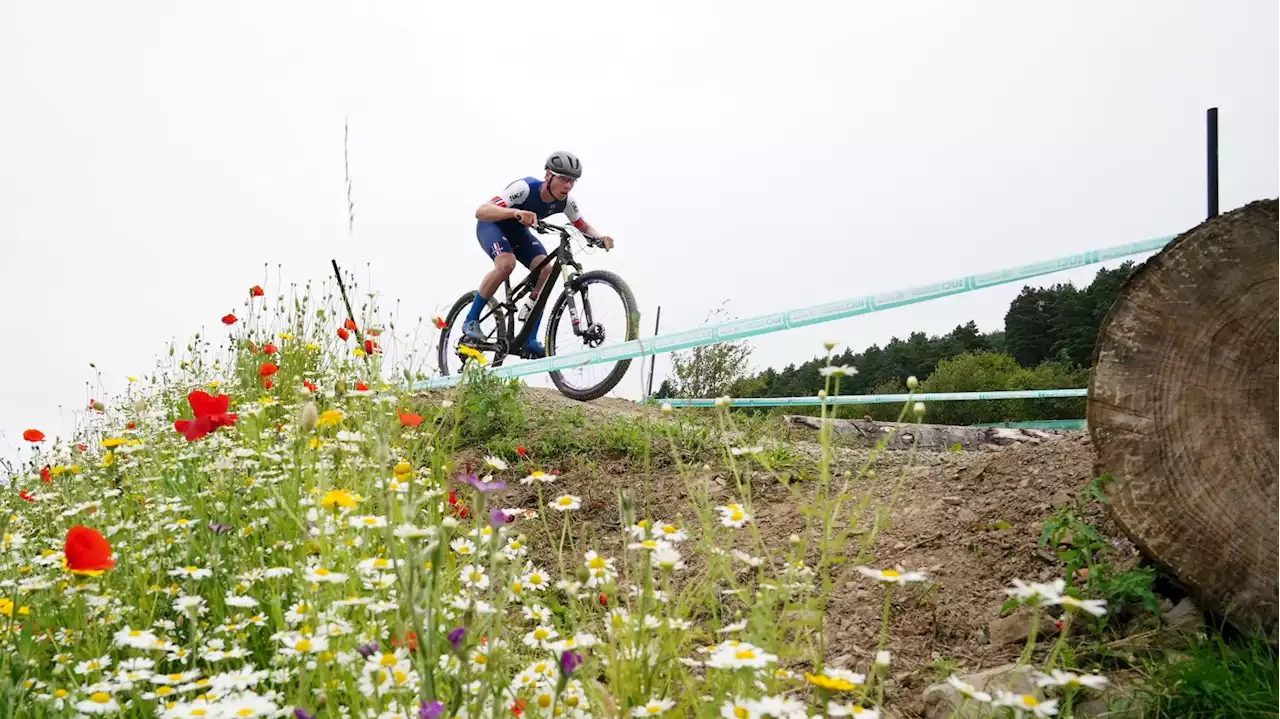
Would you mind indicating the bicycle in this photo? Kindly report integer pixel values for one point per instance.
(502, 340)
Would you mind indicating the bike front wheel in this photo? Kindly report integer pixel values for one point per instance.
(600, 310)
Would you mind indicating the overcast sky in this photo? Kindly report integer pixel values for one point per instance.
(155, 155)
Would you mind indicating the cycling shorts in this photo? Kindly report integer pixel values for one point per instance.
(509, 236)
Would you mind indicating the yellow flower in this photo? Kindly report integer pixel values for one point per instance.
(6, 607)
(285, 336)
(329, 418)
(313, 347)
(339, 497)
(473, 353)
(113, 442)
(359, 352)
(830, 683)
(212, 384)
(131, 378)
(108, 459)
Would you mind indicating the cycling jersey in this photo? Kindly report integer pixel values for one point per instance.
(512, 236)
(526, 194)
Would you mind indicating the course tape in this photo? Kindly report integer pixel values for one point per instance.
(775, 322)
(880, 398)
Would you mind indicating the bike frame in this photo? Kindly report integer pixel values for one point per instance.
(559, 258)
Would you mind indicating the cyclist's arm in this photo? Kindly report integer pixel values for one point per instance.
(572, 212)
(503, 206)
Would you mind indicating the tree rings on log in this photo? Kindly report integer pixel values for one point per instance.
(1183, 412)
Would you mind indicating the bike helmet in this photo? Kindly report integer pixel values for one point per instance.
(564, 163)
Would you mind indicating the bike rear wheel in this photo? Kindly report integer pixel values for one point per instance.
(606, 313)
(494, 326)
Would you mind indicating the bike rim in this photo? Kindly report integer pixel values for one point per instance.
(609, 310)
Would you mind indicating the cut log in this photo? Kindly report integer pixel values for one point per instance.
(1183, 412)
(936, 437)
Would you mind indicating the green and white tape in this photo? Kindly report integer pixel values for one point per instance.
(880, 398)
(826, 312)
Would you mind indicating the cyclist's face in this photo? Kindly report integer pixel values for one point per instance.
(560, 186)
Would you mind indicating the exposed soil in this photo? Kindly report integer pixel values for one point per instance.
(942, 523)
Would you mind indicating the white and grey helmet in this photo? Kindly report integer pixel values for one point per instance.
(564, 163)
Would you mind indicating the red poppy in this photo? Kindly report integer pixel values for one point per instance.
(269, 348)
(82, 447)
(256, 291)
(210, 414)
(517, 707)
(521, 451)
(343, 334)
(87, 551)
(409, 419)
(267, 369)
(374, 331)
(362, 387)
(440, 323)
(309, 385)
(228, 319)
(412, 643)
(33, 435)
(267, 383)
(350, 324)
(131, 425)
(604, 601)
(45, 475)
(24, 494)
(371, 346)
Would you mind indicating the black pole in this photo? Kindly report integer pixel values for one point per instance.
(653, 359)
(1212, 165)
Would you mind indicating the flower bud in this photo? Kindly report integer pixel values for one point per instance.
(912, 382)
(310, 415)
(666, 408)
(98, 406)
(583, 574)
(918, 409)
(829, 344)
(822, 395)
(794, 539)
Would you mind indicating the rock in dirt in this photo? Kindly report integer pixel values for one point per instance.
(941, 700)
(966, 515)
(1015, 627)
(1185, 616)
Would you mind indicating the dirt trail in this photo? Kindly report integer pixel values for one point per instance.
(944, 522)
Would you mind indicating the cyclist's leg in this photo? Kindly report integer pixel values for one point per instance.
(530, 252)
(499, 250)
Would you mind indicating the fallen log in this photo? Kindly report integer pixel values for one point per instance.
(1183, 412)
(935, 437)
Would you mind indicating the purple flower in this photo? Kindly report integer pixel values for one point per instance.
(368, 650)
(497, 518)
(430, 710)
(219, 528)
(299, 713)
(481, 485)
(455, 638)
(569, 661)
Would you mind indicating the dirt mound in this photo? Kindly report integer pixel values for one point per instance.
(969, 519)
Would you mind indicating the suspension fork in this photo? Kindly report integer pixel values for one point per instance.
(573, 305)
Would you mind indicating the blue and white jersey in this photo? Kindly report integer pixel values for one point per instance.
(526, 194)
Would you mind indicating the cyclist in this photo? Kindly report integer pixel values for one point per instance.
(503, 230)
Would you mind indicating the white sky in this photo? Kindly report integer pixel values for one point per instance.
(155, 155)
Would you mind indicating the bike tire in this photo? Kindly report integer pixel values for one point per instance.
(453, 324)
(601, 388)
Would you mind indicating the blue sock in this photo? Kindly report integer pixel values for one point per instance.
(533, 333)
(477, 305)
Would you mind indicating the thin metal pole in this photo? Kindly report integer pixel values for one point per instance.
(1212, 163)
(653, 359)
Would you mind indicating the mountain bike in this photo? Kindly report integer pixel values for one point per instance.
(589, 297)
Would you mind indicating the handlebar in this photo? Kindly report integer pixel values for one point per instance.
(544, 227)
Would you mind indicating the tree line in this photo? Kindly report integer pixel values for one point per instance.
(1047, 343)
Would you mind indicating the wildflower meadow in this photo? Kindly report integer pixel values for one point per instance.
(269, 524)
